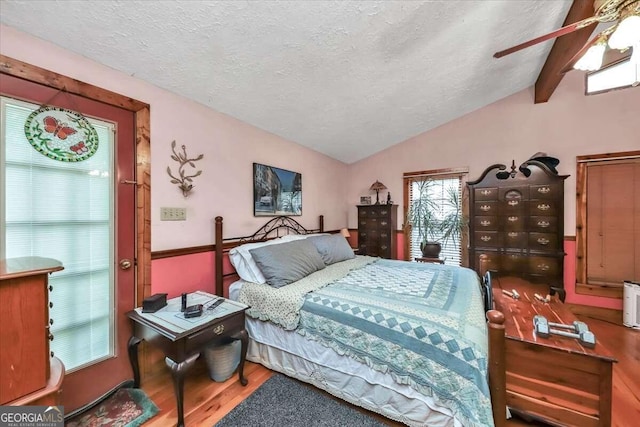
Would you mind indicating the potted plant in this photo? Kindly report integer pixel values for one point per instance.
(435, 228)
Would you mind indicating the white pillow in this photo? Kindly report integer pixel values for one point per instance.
(244, 264)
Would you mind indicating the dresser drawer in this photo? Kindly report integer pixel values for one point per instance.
(486, 223)
(543, 224)
(489, 193)
(543, 207)
(512, 207)
(544, 266)
(514, 239)
(486, 208)
(514, 222)
(487, 239)
(544, 192)
(543, 241)
(512, 263)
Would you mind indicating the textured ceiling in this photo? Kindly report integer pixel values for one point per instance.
(345, 78)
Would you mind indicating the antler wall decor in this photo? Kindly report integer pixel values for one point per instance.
(184, 181)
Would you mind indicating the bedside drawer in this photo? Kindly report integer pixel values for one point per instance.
(220, 330)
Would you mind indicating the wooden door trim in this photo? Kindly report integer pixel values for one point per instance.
(581, 285)
(141, 110)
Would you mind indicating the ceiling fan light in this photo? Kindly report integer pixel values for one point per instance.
(626, 34)
(592, 59)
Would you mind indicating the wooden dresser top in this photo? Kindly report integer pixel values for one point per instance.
(519, 317)
(12, 268)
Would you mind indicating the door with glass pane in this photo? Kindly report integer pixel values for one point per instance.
(81, 212)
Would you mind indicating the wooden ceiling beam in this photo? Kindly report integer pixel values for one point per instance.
(563, 50)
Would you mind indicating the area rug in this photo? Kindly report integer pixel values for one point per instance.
(283, 401)
(127, 407)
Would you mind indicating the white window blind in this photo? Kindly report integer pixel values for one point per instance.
(446, 193)
(63, 210)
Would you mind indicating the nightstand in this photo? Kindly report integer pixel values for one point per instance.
(182, 339)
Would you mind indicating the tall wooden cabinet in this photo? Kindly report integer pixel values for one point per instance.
(376, 230)
(30, 374)
(517, 219)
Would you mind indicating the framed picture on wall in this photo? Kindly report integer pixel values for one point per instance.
(365, 200)
(276, 191)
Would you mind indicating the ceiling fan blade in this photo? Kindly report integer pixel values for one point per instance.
(557, 33)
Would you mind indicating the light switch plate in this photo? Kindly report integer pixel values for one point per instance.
(173, 214)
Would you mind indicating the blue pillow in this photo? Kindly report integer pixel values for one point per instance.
(332, 248)
(287, 262)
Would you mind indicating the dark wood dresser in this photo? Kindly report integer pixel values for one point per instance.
(516, 219)
(376, 230)
(30, 374)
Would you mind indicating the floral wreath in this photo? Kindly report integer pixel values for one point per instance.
(61, 134)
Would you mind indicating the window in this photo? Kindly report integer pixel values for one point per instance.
(620, 75)
(62, 210)
(608, 223)
(442, 218)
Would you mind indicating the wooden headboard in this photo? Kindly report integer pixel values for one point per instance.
(276, 227)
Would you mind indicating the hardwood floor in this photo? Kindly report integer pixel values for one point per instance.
(206, 401)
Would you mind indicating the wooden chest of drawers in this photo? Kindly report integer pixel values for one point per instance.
(376, 230)
(517, 222)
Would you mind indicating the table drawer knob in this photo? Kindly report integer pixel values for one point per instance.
(218, 329)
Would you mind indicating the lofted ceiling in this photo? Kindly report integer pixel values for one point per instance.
(345, 78)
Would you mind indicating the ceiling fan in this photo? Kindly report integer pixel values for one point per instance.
(622, 35)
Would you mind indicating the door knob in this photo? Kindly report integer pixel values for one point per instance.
(125, 264)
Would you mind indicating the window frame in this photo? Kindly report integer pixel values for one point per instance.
(461, 173)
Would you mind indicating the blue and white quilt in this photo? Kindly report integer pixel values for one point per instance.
(421, 323)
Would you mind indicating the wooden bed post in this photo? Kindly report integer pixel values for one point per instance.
(497, 367)
(219, 253)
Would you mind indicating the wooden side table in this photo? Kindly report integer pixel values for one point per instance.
(182, 339)
(431, 260)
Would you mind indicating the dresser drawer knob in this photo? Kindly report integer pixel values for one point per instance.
(543, 267)
(543, 241)
(543, 224)
(485, 238)
(513, 234)
(513, 202)
(218, 329)
(485, 223)
(485, 208)
(486, 192)
(544, 190)
(512, 218)
(544, 207)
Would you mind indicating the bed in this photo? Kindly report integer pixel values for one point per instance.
(407, 340)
